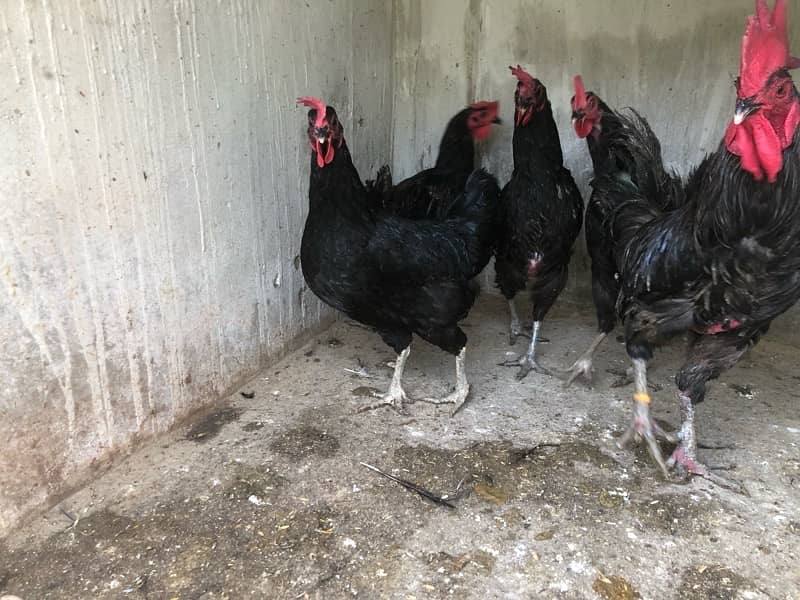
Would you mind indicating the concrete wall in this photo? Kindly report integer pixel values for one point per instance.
(153, 186)
(674, 61)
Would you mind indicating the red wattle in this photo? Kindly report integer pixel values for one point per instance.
(758, 146)
(583, 128)
(329, 153)
(482, 132)
(320, 161)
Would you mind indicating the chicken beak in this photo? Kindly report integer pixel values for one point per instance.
(744, 108)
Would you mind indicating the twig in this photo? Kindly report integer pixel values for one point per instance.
(520, 455)
(412, 486)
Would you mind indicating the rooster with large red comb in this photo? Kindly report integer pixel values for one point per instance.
(726, 261)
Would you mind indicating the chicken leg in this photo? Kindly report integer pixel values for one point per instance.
(459, 395)
(643, 426)
(515, 327)
(583, 366)
(396, 396)
(684, 458)
(527, 362)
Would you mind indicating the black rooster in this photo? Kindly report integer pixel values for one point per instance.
(540, 214)
(637, 157)
(397, 275)
(726, 262)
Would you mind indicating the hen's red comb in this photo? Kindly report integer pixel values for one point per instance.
(580, 92)
(523, 76)
(765, 47)
(488, 104)
(317, 104)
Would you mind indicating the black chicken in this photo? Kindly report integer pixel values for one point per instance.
(540, 214)
(726, 262)
(397, 275)
(639, 159)
(430, 193)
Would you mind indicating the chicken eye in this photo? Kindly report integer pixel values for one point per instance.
(781, 91)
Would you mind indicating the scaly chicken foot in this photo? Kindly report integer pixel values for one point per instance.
(583, 366)
(515, 328)
(684, 457)
(395, 396)
(459, 395)
(643, 426)
(527, 362)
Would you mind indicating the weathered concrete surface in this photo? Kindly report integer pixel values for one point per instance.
(153, 179)
(266, 497)
(673, 61)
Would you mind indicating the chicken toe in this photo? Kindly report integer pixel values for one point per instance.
(396, 396)
(458, 396)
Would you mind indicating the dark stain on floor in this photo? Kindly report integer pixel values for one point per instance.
(210, 426)
(305, 441)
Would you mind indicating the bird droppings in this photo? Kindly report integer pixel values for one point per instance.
(210, 426)
(278, 506)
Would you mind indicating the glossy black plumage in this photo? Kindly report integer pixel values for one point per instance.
(398, 275)
(626, 154)
(541, 211)
(720, 258)
(429, 193)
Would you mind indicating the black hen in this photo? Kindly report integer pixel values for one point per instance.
(726, 262)
(540, 215)
(430, 193)
(623, 146)
(397, 275)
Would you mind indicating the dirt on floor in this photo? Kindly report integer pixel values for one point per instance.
(267, 497)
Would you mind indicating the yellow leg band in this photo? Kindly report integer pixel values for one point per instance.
(642, 397)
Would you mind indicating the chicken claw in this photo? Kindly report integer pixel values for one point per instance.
(684, 458)
(393, 398)
(396, 396)
(583, 366)
(645, 428)
(526, 364)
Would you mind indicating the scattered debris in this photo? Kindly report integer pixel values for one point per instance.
(361, 371)
(70, 517)
(745, 391)
(520, 454)
(412, 486)
(365, 391)
(490, 493)
(614, 588)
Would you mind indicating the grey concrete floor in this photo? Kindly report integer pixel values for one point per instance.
(265, 497)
